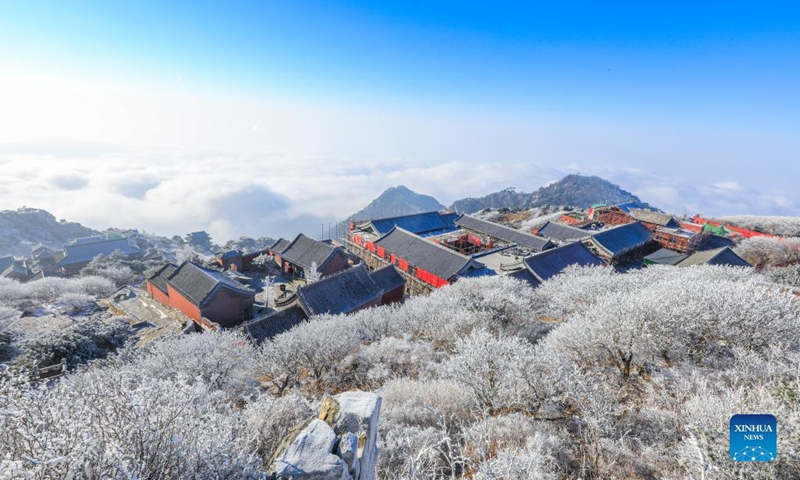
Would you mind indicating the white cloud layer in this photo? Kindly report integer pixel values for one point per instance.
(173, 192)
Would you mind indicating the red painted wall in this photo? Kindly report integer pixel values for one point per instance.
(176, 300)
(692, 227)
(156, 293)
(227, 309)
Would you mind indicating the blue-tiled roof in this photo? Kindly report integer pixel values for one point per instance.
(387, 278)
(342, 292)
(526, 276)
(419, 223)
(627, 206)
(561, 233)
(666, 257)
(83, 250)
(622, 239)
(552, 262)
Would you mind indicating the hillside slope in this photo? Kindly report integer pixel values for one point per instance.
(21, 228)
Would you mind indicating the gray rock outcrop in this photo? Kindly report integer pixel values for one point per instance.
(339, 445)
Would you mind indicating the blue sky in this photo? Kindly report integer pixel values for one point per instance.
(696, 106)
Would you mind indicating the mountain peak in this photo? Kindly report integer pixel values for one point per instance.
(573, 190)
(395, 201)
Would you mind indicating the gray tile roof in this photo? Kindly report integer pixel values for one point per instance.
(279, 246)
(561, 233)
(342, 292)
(419, 223)
(198, 284)
(17, 269)
(622, 239)
(160, 278)
(268, 326)
(648, 216)
(305, 251)
(83, 250)
(436, 259)
(387, 278)
(720, 256)
(713, 242)
(552, 262)
(666, 257)
(504, 233)
(526, 276)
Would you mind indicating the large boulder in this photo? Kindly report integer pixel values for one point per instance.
(309, 456)
(341, 444)
(358, 414)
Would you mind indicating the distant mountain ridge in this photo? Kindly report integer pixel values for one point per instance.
(21, 228)
(397, 201)
(572, 190)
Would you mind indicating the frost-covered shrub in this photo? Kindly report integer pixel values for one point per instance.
(50, 289)
(520, 463)
(76, 303)
(77, 344)
(11, 291)
(420, 425)
(674, 314)
(269, 419)
(119, 274)
(504, 432)
(391, 357)
(417, 441)
(785, 275)
(146, 414)
(119, 269)
(222, 360)
(627, 362)
(427, 403)
(776, 225)
(705, 415)
(319, 353)
(118, 424)
(7, 316)
(494, 369)
(764, 251)
(537, 222)
(6, 348)
(314, 350)
(417, 452)
(47, 289)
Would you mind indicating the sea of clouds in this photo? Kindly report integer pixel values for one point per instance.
(173, 191)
